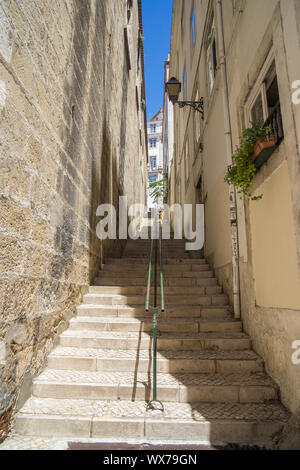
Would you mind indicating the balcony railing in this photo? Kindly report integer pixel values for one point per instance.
(275, 121)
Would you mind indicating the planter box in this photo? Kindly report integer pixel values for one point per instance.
(262, 151)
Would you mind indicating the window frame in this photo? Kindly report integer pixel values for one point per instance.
(259, 88)
(211, 66)
(193, 25)
(152, 142)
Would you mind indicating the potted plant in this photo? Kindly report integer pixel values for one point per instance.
(261, 145)
(253, 142)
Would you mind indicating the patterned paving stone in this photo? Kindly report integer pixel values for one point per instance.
(174, 379)
(123, 408)
(144, 354)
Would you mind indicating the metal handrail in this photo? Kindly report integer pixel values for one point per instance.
(162, 294)
(149, 278)
(156, 222)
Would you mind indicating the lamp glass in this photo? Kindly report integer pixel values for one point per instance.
(173, 88)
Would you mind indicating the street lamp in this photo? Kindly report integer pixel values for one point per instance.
(173, 88)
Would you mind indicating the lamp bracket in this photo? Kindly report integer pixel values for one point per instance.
(196, 105)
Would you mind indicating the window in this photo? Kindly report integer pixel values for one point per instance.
(153, 128)
(263, 105)
(267, 97)
(186, 160)
(193, 25)
(197, 121)
(211, 56)
(184, 85)
(152, 143)
(152, 178)
(153, 162)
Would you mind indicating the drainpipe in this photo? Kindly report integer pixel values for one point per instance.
(229, 151)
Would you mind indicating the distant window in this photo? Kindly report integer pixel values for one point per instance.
(153, 163)
(152, 143)
(211, 56)
(186, 158)
(153, 128)
(197, 121)
(193, 24)
(152, 178)
(184, 85)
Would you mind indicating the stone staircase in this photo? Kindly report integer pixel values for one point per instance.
(99, 377)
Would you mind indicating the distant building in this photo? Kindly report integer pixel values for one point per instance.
(155, 151)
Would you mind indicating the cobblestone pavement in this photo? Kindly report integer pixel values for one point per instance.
(18, 442)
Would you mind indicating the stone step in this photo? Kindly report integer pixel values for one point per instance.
(112, 280)
(133, 340)
(137, 311)
(142, 268)
(253, 424)
(143, 274)
(146, 324)
(177, 261)
(234, 388)
(115, 299)
(167, 361)
(194, 290)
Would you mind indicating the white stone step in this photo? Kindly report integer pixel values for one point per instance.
(234, 388)
(143, 274)
(170, 299)
(137, 311)
(112, 280)
(213, 422)
(142, 268)
(141, 290)
(146, 324)
(176, 261)
(209, 361)
(134, 340)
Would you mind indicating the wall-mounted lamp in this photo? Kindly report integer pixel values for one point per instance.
(173, 88)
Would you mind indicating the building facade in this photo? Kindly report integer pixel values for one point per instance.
(252, 245)
(168, 124)
(155, 151)
(72, 134)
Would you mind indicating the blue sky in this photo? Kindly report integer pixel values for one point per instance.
(157, 16)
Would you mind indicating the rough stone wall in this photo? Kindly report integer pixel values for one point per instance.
(64, 115)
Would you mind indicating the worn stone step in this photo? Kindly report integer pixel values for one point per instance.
(137, 311)
(167, 361)
(171, 274)
(235, 388)
(166, 268)
(133, 340)
(137, 261)
(115, 299)
(146, 324)
(142, 281)
(141, 290)
(216, 423)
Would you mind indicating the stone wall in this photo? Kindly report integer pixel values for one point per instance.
(69, 140)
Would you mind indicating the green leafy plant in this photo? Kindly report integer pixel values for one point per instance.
(242, 171)
(158, 189)
(143, 104)
(141, 39)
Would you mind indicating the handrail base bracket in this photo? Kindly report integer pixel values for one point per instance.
(152, 405)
